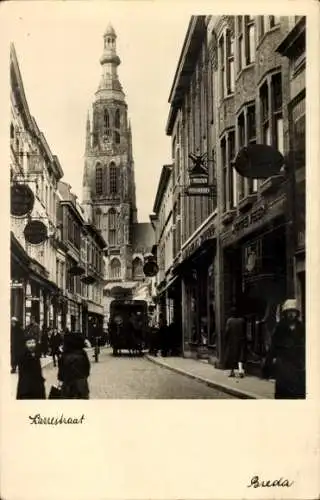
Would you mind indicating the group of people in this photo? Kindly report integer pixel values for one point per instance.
(165, 339)
(285, 357)
(68, 352)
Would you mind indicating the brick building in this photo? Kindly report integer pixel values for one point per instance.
(232, 88)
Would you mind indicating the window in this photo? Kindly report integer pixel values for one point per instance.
(266, 23)
(57, 272)
(113, 179)
(62, 275)
(137, 268)
(230, 62)
(115, 269)
(98, 218)
(247, 135)
(274, 21)
(116, 136)
(299, 132)
(112, 215)
(246, 41)
(271, 112)
(106, 122)
(222, 67)
(117, 119)
(229, 174)
(98, 179)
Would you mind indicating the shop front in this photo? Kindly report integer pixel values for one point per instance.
(74, 313)
(197, 294)
(19, 275)
(254, 277)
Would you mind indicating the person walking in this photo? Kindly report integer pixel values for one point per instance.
(55, 342)
(33, 330)
(74, 368)
(30, 381)
(17, 343)
(236, 345)
(44, 341)
(287, 354)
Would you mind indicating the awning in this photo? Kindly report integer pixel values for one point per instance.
(168, 285)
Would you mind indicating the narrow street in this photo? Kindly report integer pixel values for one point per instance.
(127, 377)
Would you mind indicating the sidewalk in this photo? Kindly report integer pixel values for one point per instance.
(249, 387)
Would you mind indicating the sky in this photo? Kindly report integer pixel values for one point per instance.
(58, 47)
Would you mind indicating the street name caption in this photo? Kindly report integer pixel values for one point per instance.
(38, 419)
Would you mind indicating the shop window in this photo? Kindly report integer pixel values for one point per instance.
(137, 268)
(98, 179)
(113, 179)
(115, 269)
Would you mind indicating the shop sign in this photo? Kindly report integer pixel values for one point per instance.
(199, 190)
(258, 161)
(22, 200)
(248, 220)
(206, 235)
(35, 232)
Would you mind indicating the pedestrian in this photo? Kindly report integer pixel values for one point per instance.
(164, 335)
(287, 354)
(236, 345)
(44, 341)
(56, 342)
(33, 330)
(30, 381)
(74, 368)
(17, 343)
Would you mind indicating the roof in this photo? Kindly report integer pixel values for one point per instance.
(110, 30)
(143, 237)
(163, 182)
(195, 35)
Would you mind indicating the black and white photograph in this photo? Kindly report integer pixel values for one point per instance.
(159, 262)
(158, 249)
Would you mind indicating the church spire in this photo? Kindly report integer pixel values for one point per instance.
(109, 61)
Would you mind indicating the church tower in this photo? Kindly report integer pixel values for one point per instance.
(109, 195)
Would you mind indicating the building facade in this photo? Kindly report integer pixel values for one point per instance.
(234, 87)
(109, 198)
(84, 265)
(162, 218)
(35, 172)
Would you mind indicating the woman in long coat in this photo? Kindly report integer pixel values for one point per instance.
(236, 343)
(74, 368)
(288, 351)
(30, 381)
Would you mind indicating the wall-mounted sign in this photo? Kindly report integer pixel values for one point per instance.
(77, 270)
(258, 161)
(150, 268)
(35, 232)
(193, 190)
(249, 219)
(88, 280)
(22, 200)
(194, 245)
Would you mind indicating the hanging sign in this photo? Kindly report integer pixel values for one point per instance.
(35, 232)
(258, 161)
(22, 200)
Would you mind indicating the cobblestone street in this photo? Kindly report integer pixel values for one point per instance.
(127, 377)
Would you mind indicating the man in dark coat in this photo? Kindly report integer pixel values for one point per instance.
(236, 345)
(74, 368)
(33, 330)
(44, 341)
(17, 343)
(30, 381)
(288, 351)
(55, 344)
